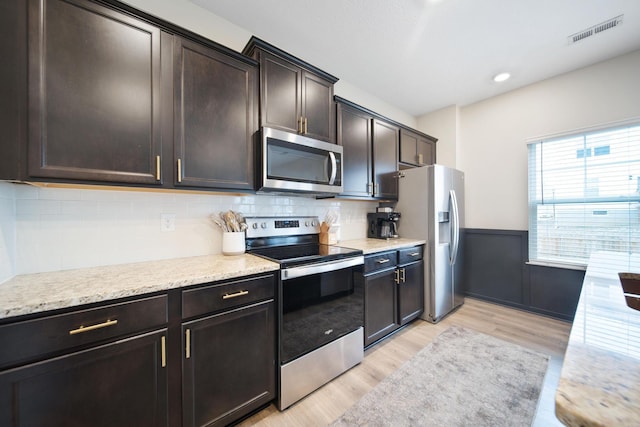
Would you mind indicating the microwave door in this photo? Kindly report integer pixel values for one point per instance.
(298, 163)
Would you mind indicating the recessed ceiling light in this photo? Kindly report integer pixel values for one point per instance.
(501, 77)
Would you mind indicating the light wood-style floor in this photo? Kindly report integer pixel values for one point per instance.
(543, 334)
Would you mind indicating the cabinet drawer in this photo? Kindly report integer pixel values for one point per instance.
(380, 261)
(226, 295)
(29, 339)
(410, 254)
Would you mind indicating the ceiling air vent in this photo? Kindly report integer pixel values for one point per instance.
(596, 29)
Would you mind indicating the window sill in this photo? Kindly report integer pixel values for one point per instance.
(566, 266)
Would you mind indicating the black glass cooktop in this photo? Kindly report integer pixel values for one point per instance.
(291, 255)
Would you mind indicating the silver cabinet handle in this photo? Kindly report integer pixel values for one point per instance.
(383, 261)
(414, 254)
(402, 275)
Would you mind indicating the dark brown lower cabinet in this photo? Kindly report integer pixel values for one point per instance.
(393, 291)
(123, 383)
(229, 364)
(380, 318)
(410, 292)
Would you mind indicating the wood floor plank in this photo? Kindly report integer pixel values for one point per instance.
(543, 334)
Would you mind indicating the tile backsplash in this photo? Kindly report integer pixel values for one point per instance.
(59, 229)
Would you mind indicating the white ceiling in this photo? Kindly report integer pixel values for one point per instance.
(422, 55)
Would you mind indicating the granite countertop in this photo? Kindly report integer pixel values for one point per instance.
(40, 292)
(600, 379)
(34, 293)
(369, 246)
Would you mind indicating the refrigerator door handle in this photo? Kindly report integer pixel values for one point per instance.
(455, 227)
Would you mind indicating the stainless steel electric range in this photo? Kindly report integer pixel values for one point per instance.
(321, 306)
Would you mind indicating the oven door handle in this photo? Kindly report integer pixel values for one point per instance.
(308, 270)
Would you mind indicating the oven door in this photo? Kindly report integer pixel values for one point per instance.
(297, 163)
(320, 303)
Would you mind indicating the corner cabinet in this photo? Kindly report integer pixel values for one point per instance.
(393, 284)
(294, 95)
(416, 149)
(94, 94)
(229, 350)
(215, 107)
(103, 366)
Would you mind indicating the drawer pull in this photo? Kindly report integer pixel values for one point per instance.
(414, 253)
(235, 294)
(93, 327)
(163, 342)
(187, 344)
(383, 261)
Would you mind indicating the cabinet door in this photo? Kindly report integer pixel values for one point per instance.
(415, 149)
(318, 108)
(426, 152)
(385, 159)
(408, 147)
(229, 365)
(94, 94)
(215, 117)
(380, 317)
(410, 292)
(118, 384)
(280, 93)
(354, 134)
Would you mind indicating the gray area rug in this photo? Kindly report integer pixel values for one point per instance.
(463, 378)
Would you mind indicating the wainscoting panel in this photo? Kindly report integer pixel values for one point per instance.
(493, 265)
(496, 270)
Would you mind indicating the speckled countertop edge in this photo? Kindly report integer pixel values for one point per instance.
(34, 293)
(369, 246)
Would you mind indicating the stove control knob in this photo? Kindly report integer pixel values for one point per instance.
(314, 223)
(263, 225)
(254, 225)
(306, 223)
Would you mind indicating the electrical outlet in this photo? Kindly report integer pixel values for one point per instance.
(167, 222)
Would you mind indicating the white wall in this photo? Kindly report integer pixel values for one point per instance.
(201, 21)
(7, 231)
(492, 135)
(60, 229)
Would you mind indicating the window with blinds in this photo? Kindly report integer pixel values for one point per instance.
(584, 195)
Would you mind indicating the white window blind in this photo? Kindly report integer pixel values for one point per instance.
(584, 195)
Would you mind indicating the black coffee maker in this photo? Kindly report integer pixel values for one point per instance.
(383, 225)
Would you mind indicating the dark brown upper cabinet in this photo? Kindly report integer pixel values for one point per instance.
(94, 94)
(294, 95)
(385, 159)
(416, 149)
(354, 134)
(372, 145)
(215, 107)
(370, 158)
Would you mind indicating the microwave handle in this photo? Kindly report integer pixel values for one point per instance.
(334, 167)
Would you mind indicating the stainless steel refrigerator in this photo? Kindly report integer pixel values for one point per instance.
(431, 205)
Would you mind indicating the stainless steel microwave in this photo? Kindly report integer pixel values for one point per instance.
(296, 163)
